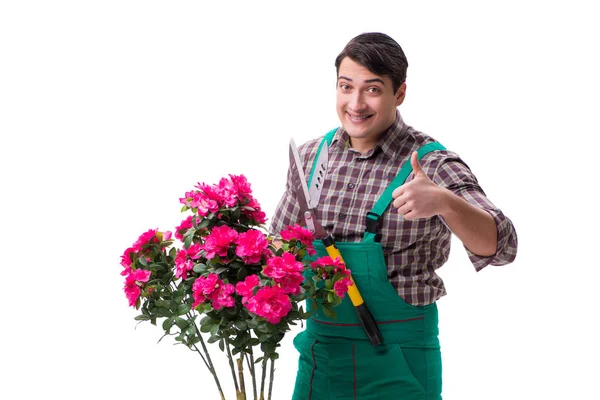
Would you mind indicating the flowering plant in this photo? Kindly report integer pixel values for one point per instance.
(229, 280)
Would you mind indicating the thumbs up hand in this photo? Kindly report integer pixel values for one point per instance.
(419, 198)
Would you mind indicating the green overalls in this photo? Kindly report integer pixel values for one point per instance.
(337, 361)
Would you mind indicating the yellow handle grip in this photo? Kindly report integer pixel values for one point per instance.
(364, 315)
(353, 292)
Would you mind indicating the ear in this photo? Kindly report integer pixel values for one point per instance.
(400, 94)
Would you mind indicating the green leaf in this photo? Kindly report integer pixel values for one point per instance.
(236, 265)
(162, 312)
(214, 329)
(214, 339)
(330, 297)
(241, 325)
(163, 303)
(142, 318)
(200, 268)
(188, 242)
(167, 324)
(328, 311)
(220, 270)
(242, 274)
(183, 309)
(206, 328)
(181, 323)
(222, 345)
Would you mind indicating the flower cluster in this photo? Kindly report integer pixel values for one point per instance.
(139, 250)
(247, 289)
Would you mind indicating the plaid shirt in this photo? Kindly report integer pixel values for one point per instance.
(414, 249)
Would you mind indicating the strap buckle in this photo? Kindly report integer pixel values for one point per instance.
(373, 221)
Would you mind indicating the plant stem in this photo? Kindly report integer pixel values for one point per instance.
(262, 379)
(207, 361)
(271, 378)
(250, 361)
(240, 365)
(235, 382)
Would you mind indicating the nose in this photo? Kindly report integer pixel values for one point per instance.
(357, 102)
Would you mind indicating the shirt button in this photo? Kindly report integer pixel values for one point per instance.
(351, 186)
(342, 216)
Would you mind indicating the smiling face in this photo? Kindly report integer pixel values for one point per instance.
(366, 103)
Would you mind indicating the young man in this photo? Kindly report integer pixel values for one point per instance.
(393, 240)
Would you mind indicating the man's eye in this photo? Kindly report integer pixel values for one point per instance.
(373, 90)
(343, 86)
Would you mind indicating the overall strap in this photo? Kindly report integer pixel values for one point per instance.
(374, 216)
(327, 139)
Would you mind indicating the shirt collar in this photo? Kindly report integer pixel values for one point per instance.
(390, 141)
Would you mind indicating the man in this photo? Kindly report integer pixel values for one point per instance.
(393, 240)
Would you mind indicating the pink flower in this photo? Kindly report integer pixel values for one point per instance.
(302, 235)
(341, 286)
(219, 241)
(257, 215)
(132, 288)
(327, 261)
(183, 227)
(213, 288)
(290, 284)
(200, 201)
(227, 191)
(251, 246)
(139, 275)
(221, 297)
(132, 291)
(206, 206)
(246, 288)
(145, 238)
(194, 251)
(278, 267)
(204, 286)
(199, 298)
(242, 186)
(182, 264)
(126, 260)
(270, 303)
(166, 235)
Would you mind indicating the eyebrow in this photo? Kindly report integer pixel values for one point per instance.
(367, 81)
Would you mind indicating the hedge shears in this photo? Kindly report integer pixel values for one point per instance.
(308, 199)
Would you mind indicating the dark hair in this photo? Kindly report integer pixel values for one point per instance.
(378, 53)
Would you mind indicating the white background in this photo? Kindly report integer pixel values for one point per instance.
(111, 110)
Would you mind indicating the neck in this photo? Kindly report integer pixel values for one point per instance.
(363, 145)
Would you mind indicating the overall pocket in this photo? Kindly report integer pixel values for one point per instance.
(382, 373)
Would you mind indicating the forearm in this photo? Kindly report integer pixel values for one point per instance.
(472, 225)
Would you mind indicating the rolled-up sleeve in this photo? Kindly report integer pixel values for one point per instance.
(452, 173)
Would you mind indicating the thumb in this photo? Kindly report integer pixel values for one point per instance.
(414, 161)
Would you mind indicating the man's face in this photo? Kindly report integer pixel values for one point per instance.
(366, 103)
